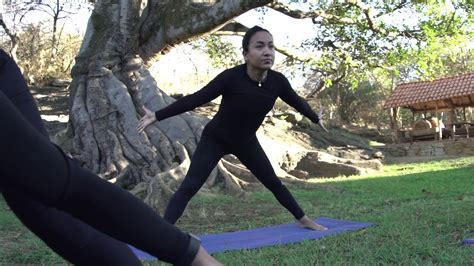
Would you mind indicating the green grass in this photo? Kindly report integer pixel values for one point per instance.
(422, 211)
(18, 245)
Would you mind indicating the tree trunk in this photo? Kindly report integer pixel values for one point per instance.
(111, 83)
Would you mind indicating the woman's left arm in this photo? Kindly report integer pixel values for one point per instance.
(289, 96)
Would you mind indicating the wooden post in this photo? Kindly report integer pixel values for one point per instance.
(451, 117)
(394, 124)
(439, 134)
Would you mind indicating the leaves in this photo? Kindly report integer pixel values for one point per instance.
(222, 53)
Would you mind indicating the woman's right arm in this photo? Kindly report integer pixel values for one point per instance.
(187, 103)
(208, 93)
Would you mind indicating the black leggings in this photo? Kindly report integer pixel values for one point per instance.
(69, 237)
(208, 153)
(67, 206)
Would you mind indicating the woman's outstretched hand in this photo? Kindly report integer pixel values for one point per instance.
(320, 122)
(146, 120)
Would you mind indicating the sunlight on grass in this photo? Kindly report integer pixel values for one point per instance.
(375, 143)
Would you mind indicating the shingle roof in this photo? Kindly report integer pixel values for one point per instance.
(437, 94)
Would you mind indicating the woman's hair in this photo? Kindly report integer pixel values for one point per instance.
(248, 35)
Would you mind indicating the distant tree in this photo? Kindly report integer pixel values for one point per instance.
(11, 22)
(58, 10)
(360, 36)
(34, 53)
(368, 42)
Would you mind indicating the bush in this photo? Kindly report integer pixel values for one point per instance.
(36, 56)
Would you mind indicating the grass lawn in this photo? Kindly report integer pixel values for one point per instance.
(422, 211)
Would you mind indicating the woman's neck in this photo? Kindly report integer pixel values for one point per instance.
(257, 75)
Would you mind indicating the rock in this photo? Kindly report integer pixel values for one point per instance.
(378, 155)
(292, 117)
(320, 164)
(60, 83)
(318, 167)
(421, 124)
(299, 174)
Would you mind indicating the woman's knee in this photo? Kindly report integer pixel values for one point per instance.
(276, 186)
(188, 191)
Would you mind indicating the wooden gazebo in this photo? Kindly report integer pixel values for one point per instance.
(441, 95)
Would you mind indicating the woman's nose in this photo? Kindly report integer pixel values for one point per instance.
(267, 51)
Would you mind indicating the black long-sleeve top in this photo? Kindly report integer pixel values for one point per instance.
(244, 103)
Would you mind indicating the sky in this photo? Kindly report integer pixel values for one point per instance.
(285, 30)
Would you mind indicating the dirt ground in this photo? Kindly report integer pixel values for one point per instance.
(53, 106)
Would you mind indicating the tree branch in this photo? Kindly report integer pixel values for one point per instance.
(401, 5)
(298, 14)
(236, 29)
(367, 10)
(164, 26)
(323, 84)
(12, 36)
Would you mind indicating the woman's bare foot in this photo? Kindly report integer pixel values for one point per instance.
(308, 223)
(203, 258)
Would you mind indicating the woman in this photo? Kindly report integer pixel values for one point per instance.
(72, 210)
(249, 92)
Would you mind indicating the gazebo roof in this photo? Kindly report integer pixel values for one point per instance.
(440, 94)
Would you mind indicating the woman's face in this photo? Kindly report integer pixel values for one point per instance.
(261, 52)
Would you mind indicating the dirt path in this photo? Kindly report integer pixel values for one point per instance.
(53, 107)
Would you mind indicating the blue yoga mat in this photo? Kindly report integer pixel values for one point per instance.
(468, 241)
(267, 236)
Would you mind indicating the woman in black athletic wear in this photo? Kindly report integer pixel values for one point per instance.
(72, 210)
(249, 92)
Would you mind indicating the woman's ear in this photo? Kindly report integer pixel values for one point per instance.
(244, 54)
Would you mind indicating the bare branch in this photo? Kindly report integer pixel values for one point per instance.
(401, 5)
(298, 14)
(322, 85)
(232, 28)
(368, 11)
(12, 36)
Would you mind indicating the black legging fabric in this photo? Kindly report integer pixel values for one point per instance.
(67, 206)
(206, 156)
(69, 237)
